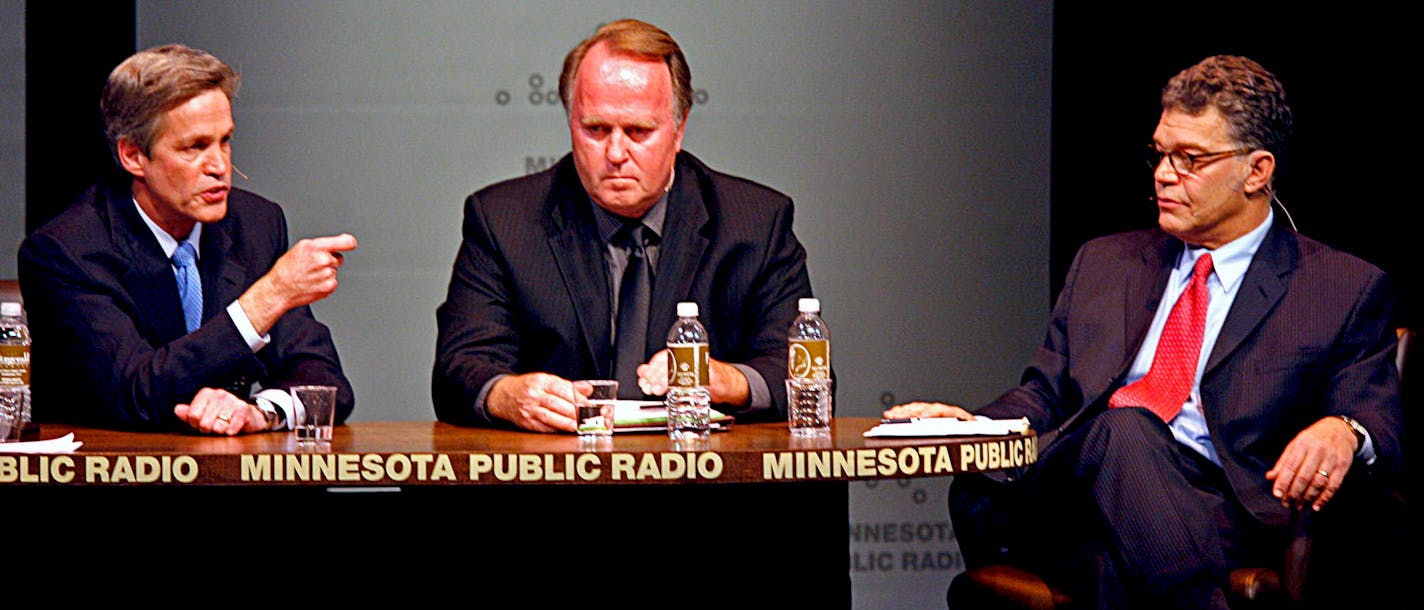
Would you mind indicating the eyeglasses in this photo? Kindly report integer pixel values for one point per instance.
(1187, 163)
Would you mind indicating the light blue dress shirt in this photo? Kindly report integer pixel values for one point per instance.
(1229, 263)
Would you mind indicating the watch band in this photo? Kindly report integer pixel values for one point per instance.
(1359, 431)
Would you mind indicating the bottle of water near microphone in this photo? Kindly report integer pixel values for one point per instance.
(14, 372)
(808, 374)
(689, 402)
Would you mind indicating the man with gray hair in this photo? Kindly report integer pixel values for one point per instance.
(168, 299)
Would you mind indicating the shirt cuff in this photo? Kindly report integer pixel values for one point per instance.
(481, 409)
(244, 326)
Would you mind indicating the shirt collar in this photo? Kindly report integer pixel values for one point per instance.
(166, 241)
(609, 223)
(1231, 260)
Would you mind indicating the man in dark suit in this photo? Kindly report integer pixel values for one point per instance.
(166, 299)
(538, 296)
(1148, 491)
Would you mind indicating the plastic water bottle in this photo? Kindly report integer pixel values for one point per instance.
(808, 374)
(810, 343)
(689, 402)
(14, 368)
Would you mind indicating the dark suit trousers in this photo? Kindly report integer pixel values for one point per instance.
(1118, 514)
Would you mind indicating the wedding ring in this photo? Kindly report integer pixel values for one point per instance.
(1322, 473)
(224, 416)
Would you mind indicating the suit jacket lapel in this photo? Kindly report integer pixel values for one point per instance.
(1147, 279)
(578, 252)
(1261, 288)
(681, 251)
(149, 279)
(222, 275)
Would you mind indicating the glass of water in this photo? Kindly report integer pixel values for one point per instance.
(594, 402)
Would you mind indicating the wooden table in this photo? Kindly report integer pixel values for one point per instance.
(473, 511)
(376, 454)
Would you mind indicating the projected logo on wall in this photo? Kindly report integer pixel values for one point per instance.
(918, 495)
(539, 95)
(546, 93)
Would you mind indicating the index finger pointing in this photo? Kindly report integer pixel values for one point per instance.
(335, 243)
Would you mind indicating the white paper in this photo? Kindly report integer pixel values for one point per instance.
(63, 444)
(638, 409)
(949, 426)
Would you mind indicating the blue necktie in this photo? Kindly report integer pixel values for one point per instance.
(190, 288)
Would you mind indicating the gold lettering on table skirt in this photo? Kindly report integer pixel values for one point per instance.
(991, 455)
(666, 466)
(622, 466)
(140, 469)
(588, 467)
(36, 468)
(853, 463)
(809, 465)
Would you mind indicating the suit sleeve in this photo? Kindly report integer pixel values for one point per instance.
(1363, 381)
(476, 339)
(782, 280)
(94, 364)
(92, 361)
(302, 350)
(1045, 394)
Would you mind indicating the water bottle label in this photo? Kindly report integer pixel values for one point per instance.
(809, 360)
(14, 365)
(687, 365)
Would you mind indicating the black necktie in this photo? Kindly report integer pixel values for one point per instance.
(634, 296)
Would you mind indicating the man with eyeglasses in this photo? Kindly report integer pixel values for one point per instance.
(1175, 446)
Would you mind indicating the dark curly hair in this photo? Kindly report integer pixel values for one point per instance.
(1250, 98)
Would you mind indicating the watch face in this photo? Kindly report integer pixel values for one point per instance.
(269, 411)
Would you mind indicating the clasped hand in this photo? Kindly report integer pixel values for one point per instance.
(545, 403)
(215, 411)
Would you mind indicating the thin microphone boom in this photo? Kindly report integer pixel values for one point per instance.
(1283, 209)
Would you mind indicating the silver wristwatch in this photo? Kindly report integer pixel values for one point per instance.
(270, 411)
(1359, 430)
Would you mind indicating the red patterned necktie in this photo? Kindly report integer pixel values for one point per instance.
(1168, 382)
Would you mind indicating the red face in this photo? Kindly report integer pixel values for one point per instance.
(625, 135)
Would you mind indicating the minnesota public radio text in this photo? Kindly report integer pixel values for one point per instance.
(479, 467)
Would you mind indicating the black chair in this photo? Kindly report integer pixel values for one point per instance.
(995, 586)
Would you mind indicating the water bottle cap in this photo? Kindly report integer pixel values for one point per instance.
(809, 305)
(10, 308)
(687, 310)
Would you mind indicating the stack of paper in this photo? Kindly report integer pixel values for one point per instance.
(651, 416)
(948, 426)
(63, 444)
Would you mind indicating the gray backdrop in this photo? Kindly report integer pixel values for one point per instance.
(12, 132)
(913, 137)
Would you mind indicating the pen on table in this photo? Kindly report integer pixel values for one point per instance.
(907, 420)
